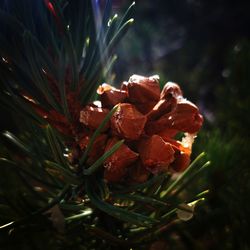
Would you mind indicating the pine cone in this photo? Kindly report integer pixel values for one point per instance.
(147, 120)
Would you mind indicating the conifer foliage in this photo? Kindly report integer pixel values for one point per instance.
(56, 189)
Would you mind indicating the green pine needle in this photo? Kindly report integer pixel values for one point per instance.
(96, 134)
(184, 175)
(117, 212)
(94, 167)
(56, 147)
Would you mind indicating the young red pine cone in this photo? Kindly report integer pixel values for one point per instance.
(92, 117)
(156, 154)
(143, 92)
(116, 165)
(148, 120)
(110, 96)
(127, 122)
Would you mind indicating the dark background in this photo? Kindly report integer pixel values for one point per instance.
(205, 47)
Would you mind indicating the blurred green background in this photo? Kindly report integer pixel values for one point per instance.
(205, 47)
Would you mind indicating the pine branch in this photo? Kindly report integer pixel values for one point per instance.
(48, 78)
